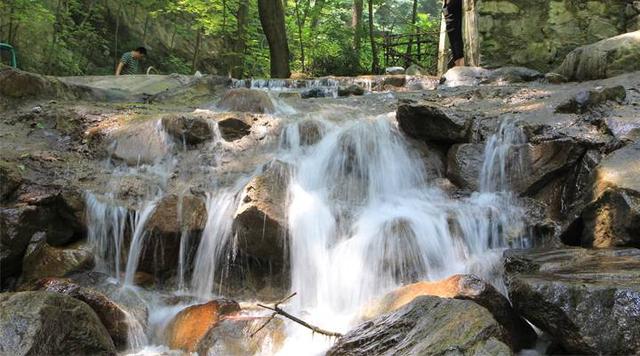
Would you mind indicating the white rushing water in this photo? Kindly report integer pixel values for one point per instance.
(363, 217)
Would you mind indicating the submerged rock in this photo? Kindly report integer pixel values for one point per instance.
(174, 216)
(247, 100)
(605, 59)
(531, 167)
(260, 219)
(351, 90)
(588, 301)
(190, 325)
(427, 326)
(433, 122)
(187, 128)
(243, 335)
(468, 287)
(111, 315)
(44, 323)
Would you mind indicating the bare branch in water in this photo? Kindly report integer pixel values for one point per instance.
(278, 311)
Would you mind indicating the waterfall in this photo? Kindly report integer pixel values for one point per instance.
(138, 223)
(501, 162)
(106, 230)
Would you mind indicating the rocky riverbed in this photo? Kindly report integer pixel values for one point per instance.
(151, 213)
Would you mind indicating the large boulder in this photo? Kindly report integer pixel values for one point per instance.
(57, 212)
(260, 219)
(114, 318)
(590, 99)
(467, 287)
(234, 126)
(433, 122)
(588, 301)
(244, 336)
(173, 218)
(42, 260)
(464, 76)
(187, 329)
(247, 100)
(508, 75)
(427, 326)
(612, 218)
(139, 143)
(607, 58)
(531, 167)
(44, 323)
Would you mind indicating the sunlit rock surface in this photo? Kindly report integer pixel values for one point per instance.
(189, 326)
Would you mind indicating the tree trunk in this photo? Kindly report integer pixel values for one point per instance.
(374, 52)
(356, 25)
(56, 28)
(272, 19)
(115, 50)
(414, 19)
(240, 45)
(315, 14)
(300, 23)
(146, 24)
(196, 51)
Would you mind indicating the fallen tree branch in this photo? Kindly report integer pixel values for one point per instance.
(278, 311)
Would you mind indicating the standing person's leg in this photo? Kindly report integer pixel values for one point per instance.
(453, 18)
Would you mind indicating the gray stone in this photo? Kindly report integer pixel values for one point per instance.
(589, 99)
(247, 100)
(587, 300)
(433, 122)
(190, 129)
(427, 326)
(43, 323)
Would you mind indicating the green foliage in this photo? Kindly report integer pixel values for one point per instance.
(78, 37)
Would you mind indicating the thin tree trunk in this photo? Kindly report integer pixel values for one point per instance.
(315, 14)
(196, 51)
(175, 31)
(115, 50)
(300, 23)
(374, 52)
(56, 26)
(414, 19)
(146, 24)
(356, 25)
(241, 43)
(272, 19)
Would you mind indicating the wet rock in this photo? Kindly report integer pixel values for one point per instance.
(605, 59)
(586, 300)
(612, 218)
(532, 166)
(464, 163)
(139, 143)
(242, 336)
(189, 326)
(190, 129)
(466, 287)
(234, 128)
(464, 76)
(317, 93)
(394, 70)
(10, 179)
(247, 100)
(260, 220)
(43, 323)
(427, 326)
(174, 216)
(351, 90)
(42, 260)
(590, 99)
(433, 122)
(508, 75)
(111, 315)
(555, 78)
(310, 132)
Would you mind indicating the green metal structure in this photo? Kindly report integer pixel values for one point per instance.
(12, 54)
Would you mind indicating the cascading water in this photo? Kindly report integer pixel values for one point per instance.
(363, 217)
